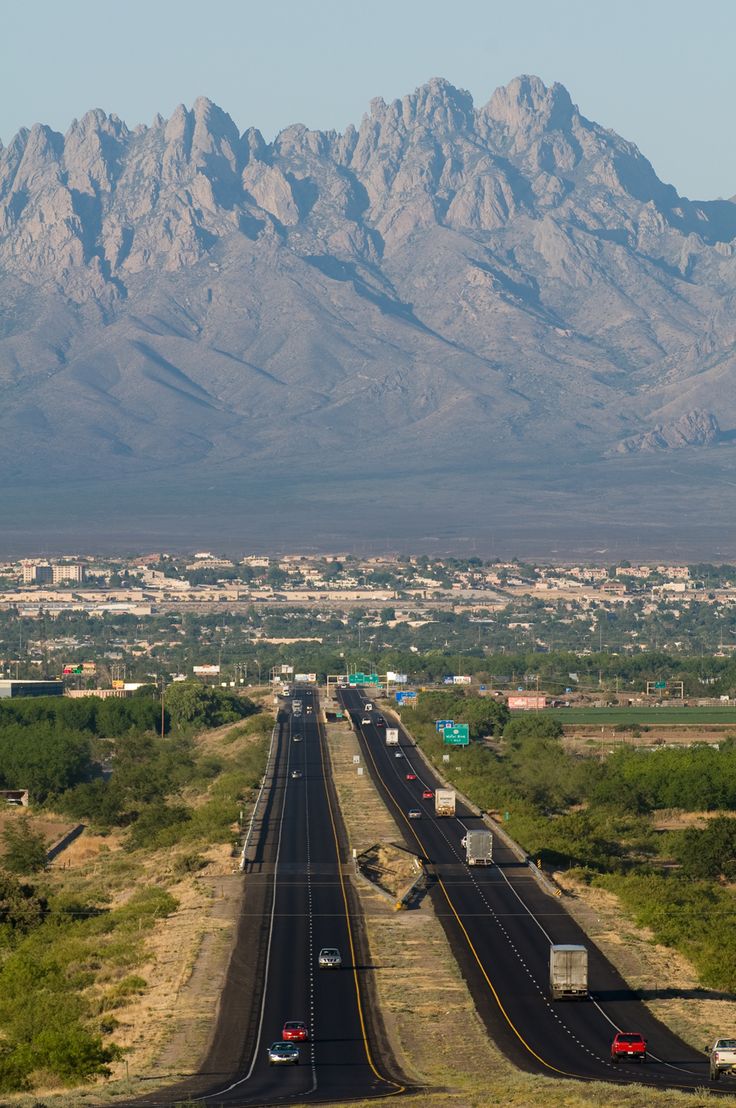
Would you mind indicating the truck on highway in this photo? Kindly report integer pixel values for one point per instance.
(392, 736)
(722, 1058)
(444, 802)
(568, 971)
(478, 848)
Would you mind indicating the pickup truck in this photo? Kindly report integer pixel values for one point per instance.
(722, 1057)
(628, 1046)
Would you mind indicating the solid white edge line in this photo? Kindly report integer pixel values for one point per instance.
(256, 1048)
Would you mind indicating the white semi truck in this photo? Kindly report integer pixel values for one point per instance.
(444, 802)
(392, 736)
(478, 847)
(568, 972)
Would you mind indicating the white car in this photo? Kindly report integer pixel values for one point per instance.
(283, 1054)
(398, 754)
(366, 719)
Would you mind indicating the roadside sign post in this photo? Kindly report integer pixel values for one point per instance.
(457, 735)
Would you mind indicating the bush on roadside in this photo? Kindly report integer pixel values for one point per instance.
(24, 847)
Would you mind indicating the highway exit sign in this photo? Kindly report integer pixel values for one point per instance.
(363, 679)
(458, 735)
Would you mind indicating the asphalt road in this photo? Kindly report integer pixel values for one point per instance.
(297, 901)
(500, 924)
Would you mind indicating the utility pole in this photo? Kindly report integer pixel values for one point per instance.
(163, 703)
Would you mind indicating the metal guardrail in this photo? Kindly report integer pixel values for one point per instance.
(267, 779)
(66, 840)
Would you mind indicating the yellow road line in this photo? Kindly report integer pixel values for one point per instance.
(507, 1017)
(397, 1087)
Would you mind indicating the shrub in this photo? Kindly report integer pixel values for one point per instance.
(25, 849)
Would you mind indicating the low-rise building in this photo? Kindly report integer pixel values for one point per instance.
(12, 688)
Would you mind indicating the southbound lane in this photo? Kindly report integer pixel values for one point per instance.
(501, 923)
(297, 901)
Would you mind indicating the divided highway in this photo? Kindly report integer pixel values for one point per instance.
(500, 924)
(297, 901)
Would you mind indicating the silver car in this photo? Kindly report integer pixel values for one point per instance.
(283, 1054)
(329, 958)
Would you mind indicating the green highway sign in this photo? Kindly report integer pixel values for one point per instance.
(660, 684)
(459, 735)
(362, 679)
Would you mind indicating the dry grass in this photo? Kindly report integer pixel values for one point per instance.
(667, 981)
(431, 1020)
(166, 1029)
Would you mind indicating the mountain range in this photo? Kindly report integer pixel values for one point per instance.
(497, 316)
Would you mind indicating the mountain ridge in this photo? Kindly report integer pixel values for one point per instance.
(513, 278)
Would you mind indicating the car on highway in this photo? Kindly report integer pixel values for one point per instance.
(427, 794)
(283, 1054)
(411, 777)
(380, 721)
(399, 754)
(722, 1058)
(368, 706)
(296, 774)
(329, 958)
(628, 1046)
(295, 1031)
(414, 813)
(309, 708)
(297, 738)
(366, 719)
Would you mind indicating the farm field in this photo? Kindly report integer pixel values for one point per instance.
(669, 716)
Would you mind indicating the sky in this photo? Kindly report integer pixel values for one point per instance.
(659, 73)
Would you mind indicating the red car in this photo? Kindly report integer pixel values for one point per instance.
(295, 1031)
(427, 794)
(411, 777)
(629, 1046)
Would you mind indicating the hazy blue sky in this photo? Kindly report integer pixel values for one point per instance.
(660, 73)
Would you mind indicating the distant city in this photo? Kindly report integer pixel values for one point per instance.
(113, 623)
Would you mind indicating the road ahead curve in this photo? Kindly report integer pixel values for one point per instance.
(500, 924)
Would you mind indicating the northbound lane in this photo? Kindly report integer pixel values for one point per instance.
(500, 924)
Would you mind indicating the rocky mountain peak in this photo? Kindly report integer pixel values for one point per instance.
(518, 259)
(436, 105)
(525, 111)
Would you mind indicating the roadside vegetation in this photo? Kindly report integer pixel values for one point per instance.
(73, 945)
(598, 817)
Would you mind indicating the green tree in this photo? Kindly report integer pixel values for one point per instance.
(710, 852)
(20, 908)
(25, 849)
(194, 705)
(520, 728)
